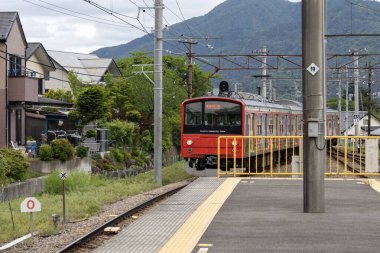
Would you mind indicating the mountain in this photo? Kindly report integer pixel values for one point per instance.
(246, 25)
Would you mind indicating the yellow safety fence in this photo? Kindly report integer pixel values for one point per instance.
(283, 156)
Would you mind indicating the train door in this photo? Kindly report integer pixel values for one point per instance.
(264, 124)
(286, 125)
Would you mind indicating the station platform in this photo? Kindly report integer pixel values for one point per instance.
(256, 215)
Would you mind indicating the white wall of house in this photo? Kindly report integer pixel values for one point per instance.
(58, 80)
(363, 122)
(33, 64)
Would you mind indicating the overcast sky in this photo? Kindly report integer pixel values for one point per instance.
(52, 22)
(58, 31)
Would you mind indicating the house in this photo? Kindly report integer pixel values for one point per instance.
(18, 85)
(39, 63)
(89, 68)
(362, 123)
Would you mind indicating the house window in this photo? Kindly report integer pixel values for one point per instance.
(46, 75)
(365, 122)
(14, 65)
(40, 86)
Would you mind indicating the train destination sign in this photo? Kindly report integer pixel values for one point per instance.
(213, 106)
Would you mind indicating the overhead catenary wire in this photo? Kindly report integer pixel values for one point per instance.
(75, 16)
(80, 13)
(45, 65)
(363, 6)
(112, 13)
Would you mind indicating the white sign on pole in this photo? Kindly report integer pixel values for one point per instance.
(63, 175)
(313, 69)
(30, 205)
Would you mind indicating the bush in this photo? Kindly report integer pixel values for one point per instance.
(81, 151)
(118, 155)
(13, 165)
(62, 149)
(45, 153)
(133, 116)
(91, 133)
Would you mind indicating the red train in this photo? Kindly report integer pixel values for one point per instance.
(204, 119)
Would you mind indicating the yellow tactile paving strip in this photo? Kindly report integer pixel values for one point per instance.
(373, 183)
(187, 236)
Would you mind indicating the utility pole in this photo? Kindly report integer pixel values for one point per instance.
(158, 41)
(264, 73)
(347, 85)
(339, 95)
(189, 44)
(356, 91)
(369, 97)
(313, 75)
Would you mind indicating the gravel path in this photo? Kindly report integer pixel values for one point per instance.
(72, 231)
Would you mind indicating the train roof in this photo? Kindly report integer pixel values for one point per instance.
(257, 101)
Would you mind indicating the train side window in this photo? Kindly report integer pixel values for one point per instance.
(193, 114)
(259, 125)
(281, 123)
(271, 125)
(252, 125)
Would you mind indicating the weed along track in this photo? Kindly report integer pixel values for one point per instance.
(98, 236)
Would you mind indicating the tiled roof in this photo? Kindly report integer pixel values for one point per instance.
(7, 19)
(89, 67)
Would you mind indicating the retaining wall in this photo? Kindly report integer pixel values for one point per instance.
(83, 164)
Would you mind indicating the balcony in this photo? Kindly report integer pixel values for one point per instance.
(22, 87)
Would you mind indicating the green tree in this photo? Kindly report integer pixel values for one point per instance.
(62, 95)
(75, 84)
(92, 104)
(122, 133)
(118, 90)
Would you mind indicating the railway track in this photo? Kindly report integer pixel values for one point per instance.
(354, 162)
(97, 237)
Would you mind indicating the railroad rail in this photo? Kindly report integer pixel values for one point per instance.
(100, 230)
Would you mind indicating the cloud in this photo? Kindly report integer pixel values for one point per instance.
(66, 32)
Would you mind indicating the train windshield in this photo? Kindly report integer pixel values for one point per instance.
(222, 114)
(214, 117)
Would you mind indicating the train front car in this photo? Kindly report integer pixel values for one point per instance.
(203, 121)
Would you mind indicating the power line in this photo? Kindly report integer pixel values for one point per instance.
(45, 65)
(48, 8)
(80, 13)
(363, 6)
(179, 8)
(112, 13)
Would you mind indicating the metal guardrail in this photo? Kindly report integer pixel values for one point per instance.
(283, 155)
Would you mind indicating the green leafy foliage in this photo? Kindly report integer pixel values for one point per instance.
(62, 95)
(147, 141)
(92, 104)
(117, 154)
(81, 151)
(134, 116)
(13, 165)
(45, 152)
(122, 133)
(91, 133)
(62, 149)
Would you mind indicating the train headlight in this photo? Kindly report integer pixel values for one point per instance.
(234, 143)
(189, 142)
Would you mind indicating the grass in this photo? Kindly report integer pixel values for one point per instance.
(85, 196)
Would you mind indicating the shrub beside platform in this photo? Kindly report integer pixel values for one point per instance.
(83, 164)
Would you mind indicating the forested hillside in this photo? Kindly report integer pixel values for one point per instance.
(246, 25)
